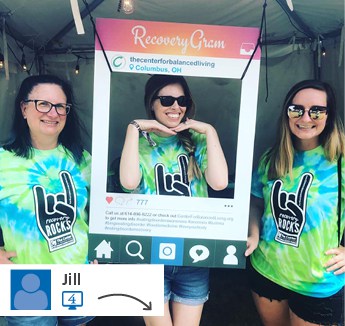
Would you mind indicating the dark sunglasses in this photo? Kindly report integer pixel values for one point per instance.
(316, 112)
(170, 100)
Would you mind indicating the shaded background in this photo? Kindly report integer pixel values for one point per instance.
(44, 32)
(295, 40)
(217, 103)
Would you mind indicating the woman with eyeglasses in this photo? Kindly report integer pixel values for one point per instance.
(170, 153)
(297, 263)
(44, 185)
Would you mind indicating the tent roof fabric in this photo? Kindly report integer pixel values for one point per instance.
(48, 25)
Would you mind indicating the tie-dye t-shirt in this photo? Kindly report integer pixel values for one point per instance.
(43, 204)
(300, 224)
(164, 167)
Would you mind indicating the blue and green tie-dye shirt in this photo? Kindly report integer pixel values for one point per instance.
(164, 166)
(43, 204)
(300, 224)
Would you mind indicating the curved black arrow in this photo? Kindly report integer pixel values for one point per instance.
(147, 306)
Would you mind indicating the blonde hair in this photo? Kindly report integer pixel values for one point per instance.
(280, 157)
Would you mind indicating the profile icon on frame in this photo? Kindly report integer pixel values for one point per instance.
(30, 289)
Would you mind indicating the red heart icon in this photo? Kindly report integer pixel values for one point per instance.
(109, 199)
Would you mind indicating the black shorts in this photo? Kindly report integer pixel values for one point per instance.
(323, 311)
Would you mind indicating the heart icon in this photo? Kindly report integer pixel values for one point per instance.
(109, 199)
(199, 252)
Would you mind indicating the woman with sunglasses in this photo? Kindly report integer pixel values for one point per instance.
(297, 262)
(170, 153)
(44, 185)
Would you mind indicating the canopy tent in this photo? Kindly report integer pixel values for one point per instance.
(44, 34)
(48, 26)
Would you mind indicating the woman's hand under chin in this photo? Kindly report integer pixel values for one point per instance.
(198, 126)
(154, 126)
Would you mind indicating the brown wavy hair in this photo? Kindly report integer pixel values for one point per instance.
(152, 88)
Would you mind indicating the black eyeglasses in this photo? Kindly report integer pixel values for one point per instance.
(316, 112)
(45, 106)
(170, 100)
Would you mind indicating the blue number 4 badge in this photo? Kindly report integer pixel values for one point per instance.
(72, 299)
(30, 289)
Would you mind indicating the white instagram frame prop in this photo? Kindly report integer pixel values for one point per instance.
(229, 48)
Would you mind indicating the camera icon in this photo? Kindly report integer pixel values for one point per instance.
(167, 251)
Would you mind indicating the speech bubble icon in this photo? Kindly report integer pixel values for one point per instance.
(119, 201)
(199, 253)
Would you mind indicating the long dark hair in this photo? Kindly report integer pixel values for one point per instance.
(69, 137)
(152, 88)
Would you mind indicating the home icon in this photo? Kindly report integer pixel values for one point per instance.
(103, 250)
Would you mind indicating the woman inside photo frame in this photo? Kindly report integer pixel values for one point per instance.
(170, 153)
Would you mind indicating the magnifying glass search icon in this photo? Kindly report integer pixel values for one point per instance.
(137, 252)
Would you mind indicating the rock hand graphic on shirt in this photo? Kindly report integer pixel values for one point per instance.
(299, 218)
(43, 206)
(56, 213)
(164, 168)
(289, 210)
(177, 183)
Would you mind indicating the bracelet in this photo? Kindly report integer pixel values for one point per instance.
(136, 125)
(143, 133)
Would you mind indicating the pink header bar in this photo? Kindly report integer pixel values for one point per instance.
(140, 36)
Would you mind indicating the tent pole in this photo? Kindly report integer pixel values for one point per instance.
(71, 24)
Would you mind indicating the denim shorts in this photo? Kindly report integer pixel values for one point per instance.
(323, 311)
(187, 285)
(47, 320)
